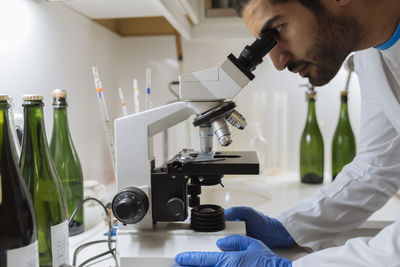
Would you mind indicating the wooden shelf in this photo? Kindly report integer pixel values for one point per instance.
(220, 12)
(139, 26)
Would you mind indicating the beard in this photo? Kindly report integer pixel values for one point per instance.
(336, 38)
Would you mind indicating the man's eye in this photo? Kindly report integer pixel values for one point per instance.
(278, 29)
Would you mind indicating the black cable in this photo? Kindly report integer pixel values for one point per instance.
(96, 257)
(110, 249)
(79, 249)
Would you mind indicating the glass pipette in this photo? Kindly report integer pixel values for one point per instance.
(148, 92)
(136, 96)
(123, 105)
(106, 118)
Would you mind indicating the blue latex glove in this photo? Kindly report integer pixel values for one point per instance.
(238, 250)
(268, 230)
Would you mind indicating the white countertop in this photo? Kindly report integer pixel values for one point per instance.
(269, 194)
(284, 191)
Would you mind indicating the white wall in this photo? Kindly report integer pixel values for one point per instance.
(45, 46)
(159, 54)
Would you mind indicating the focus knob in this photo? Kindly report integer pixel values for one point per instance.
(130, 205)
(175, 206)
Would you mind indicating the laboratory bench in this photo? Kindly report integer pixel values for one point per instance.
(269, 194)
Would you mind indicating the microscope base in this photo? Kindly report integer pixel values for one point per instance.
(158, 247)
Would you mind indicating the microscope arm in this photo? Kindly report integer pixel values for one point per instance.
(134, 145)
(133, 138)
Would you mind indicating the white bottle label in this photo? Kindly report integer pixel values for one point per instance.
(27, 256)
(60, 244)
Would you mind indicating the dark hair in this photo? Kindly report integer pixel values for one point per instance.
(313, 5)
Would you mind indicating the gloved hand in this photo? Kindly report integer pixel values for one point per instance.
(238, 250)
(269, 230)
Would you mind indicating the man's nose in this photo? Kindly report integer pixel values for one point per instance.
(279, 57)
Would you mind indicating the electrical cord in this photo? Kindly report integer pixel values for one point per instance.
(81, 247)
(109, 240)
(96, 257)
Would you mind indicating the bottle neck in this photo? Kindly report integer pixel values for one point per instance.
(3, 121)
(343, 108)
(6, 141)
(311, 115)
(34, 130)
(60, 124)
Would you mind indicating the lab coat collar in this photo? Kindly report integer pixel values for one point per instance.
(392, 57)
(392, 40)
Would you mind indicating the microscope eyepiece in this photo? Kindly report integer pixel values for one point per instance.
(252, 55)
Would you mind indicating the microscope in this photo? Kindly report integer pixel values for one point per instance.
(152, 203)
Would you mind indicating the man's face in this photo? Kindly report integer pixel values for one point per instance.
(315, 47)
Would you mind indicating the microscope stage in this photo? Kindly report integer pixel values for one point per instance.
(226, 162)
(158, 247)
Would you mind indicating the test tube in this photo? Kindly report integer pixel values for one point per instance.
(136, 96)
(106, 118)
(121, 96)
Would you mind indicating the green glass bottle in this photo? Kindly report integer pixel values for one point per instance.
(44, 185)
(343, 143)
(311, 146)
(18, 229)
(66, 160)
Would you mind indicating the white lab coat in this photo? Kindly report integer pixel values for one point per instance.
(365, 184)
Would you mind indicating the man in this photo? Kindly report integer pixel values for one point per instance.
(313, 39)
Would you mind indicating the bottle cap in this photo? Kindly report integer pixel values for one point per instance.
(344, 93)
(3, 97)
(32, 97)
(59, 93)
(311, 95)
(59, 98)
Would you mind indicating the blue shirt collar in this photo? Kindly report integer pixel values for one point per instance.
(392, 40)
